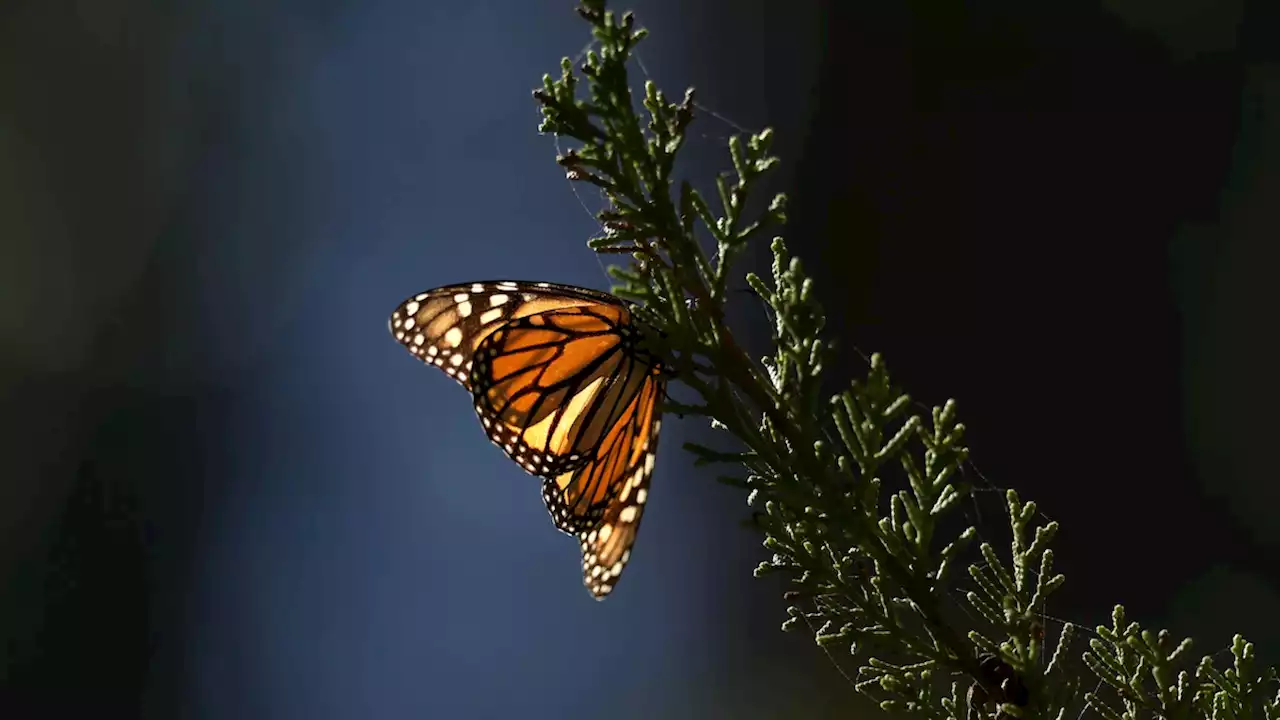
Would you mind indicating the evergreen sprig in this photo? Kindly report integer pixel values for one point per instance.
(849, 491)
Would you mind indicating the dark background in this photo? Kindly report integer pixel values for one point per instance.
(225, 492)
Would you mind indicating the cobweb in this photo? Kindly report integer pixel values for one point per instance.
(984, 507)
(715, 129)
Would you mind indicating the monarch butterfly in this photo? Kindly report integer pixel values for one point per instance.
(561, 380)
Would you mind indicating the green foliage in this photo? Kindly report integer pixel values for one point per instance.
(1140, 667)
(851, 492)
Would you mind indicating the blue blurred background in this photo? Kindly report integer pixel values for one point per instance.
(226, 492)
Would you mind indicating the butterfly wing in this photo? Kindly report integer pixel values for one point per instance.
(558, 391)
(578, 499)
(606, 548)
(559, 383)
(574, 382)
(444, 327)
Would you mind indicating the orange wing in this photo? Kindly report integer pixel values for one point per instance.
(606, 548)
(575, 383)
(550, 387)
(444, 326)
(561, 383)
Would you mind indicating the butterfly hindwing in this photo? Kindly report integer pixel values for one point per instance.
(578, 499)
(606, 548)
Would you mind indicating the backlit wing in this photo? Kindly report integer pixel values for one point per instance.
(560, 382)
(606, 548)
(445, 326)
(552, 389)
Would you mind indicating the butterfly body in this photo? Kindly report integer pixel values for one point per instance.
(561, 380)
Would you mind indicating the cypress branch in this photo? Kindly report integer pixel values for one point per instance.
(849, 500)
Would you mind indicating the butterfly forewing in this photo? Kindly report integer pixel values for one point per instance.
(445, 326)
(548, 387)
